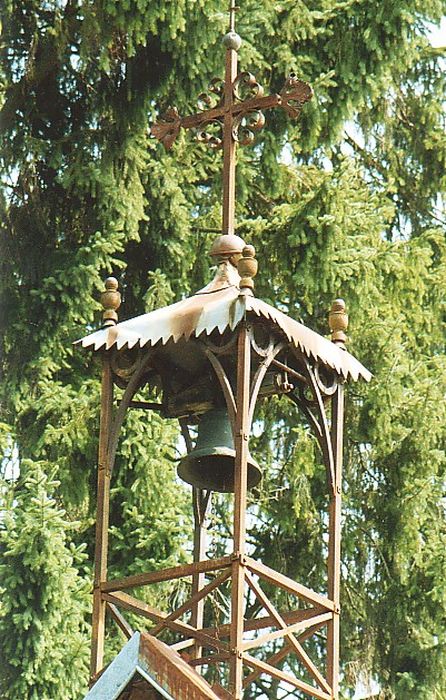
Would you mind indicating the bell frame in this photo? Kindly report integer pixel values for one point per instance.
(322, 403)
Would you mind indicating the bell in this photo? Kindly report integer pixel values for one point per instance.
(210, 465)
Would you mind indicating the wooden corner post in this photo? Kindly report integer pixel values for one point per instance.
(338, 322)
(110, 300)
(240, 492)
(102, 520)
(334, 543)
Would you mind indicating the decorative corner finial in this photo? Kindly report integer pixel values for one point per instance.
(338, 322)
(110, 300)
(247, 267)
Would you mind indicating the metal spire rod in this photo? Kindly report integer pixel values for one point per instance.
(232, 10)
(231, 41)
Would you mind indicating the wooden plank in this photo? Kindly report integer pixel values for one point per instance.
(166, 574)
(298, 648)
(296, 627)
(286, 678)
(277, 579)
(128, 602)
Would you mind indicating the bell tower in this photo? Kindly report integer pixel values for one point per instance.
(216, 355)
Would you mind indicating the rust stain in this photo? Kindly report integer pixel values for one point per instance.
(217, 307)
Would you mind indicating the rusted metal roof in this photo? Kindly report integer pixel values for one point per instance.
(147, 669)
(218, 307)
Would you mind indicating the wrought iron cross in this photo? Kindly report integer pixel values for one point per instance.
(236, 106)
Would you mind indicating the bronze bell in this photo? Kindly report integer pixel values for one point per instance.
(210, 465)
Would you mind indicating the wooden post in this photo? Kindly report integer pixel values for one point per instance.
(240, 488)
(200, 503)
(102, 520)
(334, 543)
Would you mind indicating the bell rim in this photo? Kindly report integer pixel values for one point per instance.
(254, 472)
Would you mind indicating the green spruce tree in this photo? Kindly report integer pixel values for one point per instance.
(45, 597)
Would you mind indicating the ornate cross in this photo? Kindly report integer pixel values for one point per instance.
(236, 106)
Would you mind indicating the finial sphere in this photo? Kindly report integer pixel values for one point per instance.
(111, 301)
(338, 322)
(232, 40)
(226, 245)
(338, 305)
(247, 267)
(111, 283)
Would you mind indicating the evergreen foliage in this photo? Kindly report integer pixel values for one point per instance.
(45, 597)
(358, 212)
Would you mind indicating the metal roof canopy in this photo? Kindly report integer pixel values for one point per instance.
(218, 307)
(163, 669)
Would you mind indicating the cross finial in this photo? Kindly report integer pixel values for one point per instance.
(235, 105)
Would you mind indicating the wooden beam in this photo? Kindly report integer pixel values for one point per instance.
(286, 678)
(268, 574)
(128, 602)
(298, 648)
(102, 520)
(200, 503)
(120, 620)
(202, 593)
(185, 644)
(240, 495)
(296, 627)
(266, 621)
(276, 658)
(222, 693)
(166, 574)
(334, 541)
(207, 660)
(273, 660)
